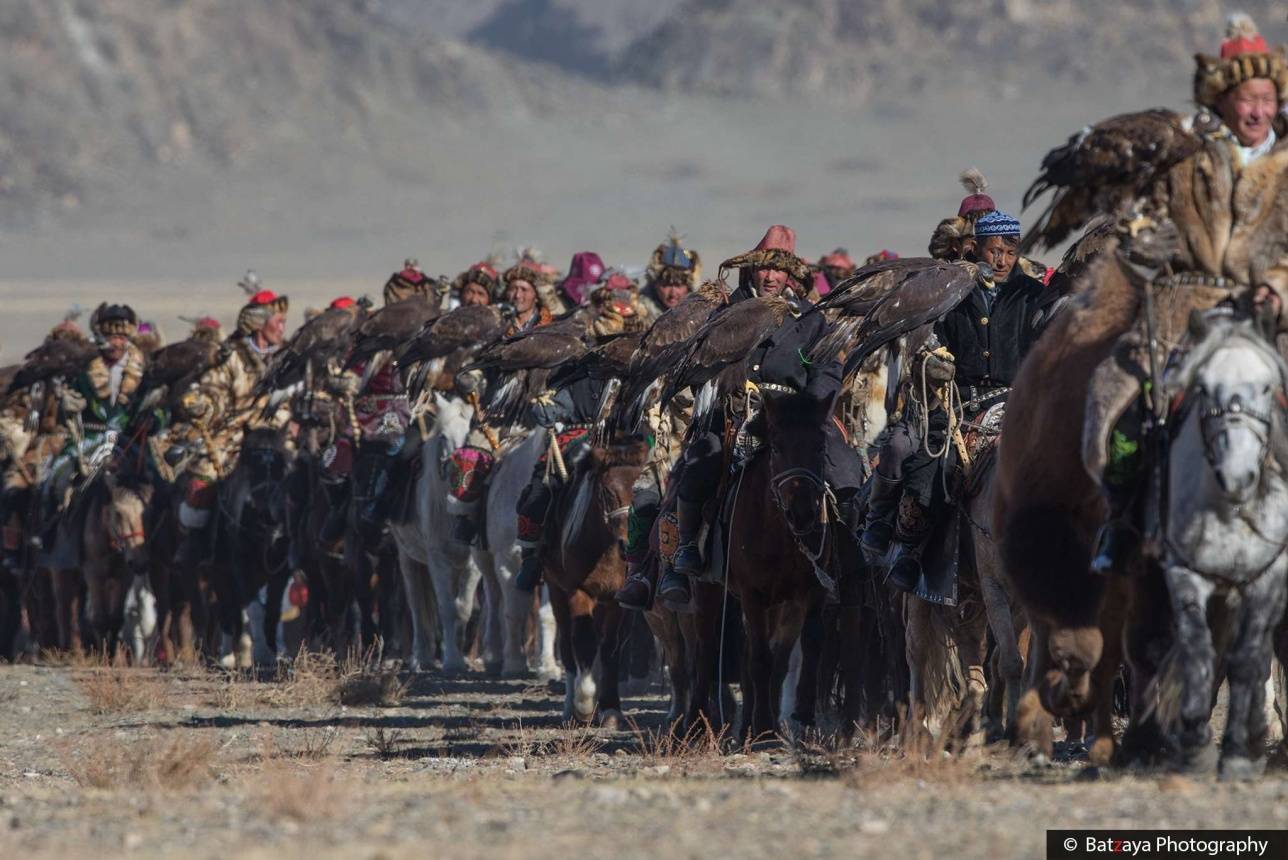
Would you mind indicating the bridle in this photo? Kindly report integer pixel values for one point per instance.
(817, 555)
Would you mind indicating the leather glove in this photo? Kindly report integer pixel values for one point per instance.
(72, 402)
(344, 385)
(940, 367)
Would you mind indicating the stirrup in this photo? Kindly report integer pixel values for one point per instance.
(1115, 543)
(687, 560)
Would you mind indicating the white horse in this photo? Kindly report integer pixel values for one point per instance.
(507, 608)
(428, 556)
(1225, 534)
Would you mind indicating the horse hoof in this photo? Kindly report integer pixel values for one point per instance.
(1101, 753)
(1237, 768)
(611, 720)
(1199, 760)
(549, 674)
(228, 661)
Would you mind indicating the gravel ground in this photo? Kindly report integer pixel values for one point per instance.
(115, 762)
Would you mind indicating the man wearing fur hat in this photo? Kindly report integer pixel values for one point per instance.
(673, 272)
(30, 434)
(770, 269)
(1205, 197)
(378, 414)
(221, 408)
(530, 291)
(477, 285)
(98, 404)
(569, 413)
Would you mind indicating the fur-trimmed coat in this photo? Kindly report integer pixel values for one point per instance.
(95, 385)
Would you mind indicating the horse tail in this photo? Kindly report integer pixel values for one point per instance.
(944, 683)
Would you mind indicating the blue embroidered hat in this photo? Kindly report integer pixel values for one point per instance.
(997, 223)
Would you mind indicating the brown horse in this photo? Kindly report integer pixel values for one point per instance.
(781, 510)
(1047, 511)
(584, 567)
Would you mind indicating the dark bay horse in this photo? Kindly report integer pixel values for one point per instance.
(584, 566)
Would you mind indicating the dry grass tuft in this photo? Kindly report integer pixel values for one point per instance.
(384, 743)
(116, 689)
(665, 745)
(372, 688)
(308, 743)
(301, 792)
(184, 762)
(867, 761)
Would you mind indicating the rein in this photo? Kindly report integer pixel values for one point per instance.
(814, 556)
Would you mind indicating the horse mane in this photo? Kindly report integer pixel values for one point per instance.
(632, 453)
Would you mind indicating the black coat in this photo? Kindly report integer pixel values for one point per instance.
(990, 332)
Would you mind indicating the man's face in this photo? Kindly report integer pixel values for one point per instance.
(1000, 254)
(115, 347)
(671, 295)
(274, 331)
(1249, 108)
(522, 295)
(769, 282)
(474, 294)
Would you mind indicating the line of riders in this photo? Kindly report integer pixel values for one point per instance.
(911, 363)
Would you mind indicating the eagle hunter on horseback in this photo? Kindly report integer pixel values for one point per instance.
(963, 369)
(1185, 216)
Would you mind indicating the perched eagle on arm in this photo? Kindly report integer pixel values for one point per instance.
(390, 326)
(1103, 169)
(883, 303)
(63, 357)
(307, 353)
(664, 344)
(722, 344)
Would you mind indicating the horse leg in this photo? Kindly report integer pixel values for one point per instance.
(972, 653)
(1147, 641)
(1261, 608)
(758, 671)
(612, 642)
(811, 637)
(1190, 594)
(1032, 720)
(493, 626)
(666, 627)
(547, 631)
(415, 577)
(442, 578)
(584, 645)
(1010, 664)
(561, 608)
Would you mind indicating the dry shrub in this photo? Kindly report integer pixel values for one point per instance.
(665, 745)
(308, 743)
(312, 678)
(116, 689)
(372, 688)
(384, 743)
(301, 792)
(868, 761)
(575, 741)
(184, 762)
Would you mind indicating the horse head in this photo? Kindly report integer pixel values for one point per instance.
(797, 445)
(614, 469)
(260, 476)
(124, 513)
(1232, 384)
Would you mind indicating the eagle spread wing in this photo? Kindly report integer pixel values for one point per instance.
(1103, 168)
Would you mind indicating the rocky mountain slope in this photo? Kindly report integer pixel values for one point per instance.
(851, 51)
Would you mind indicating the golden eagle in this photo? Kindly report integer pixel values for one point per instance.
(1104, 169)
